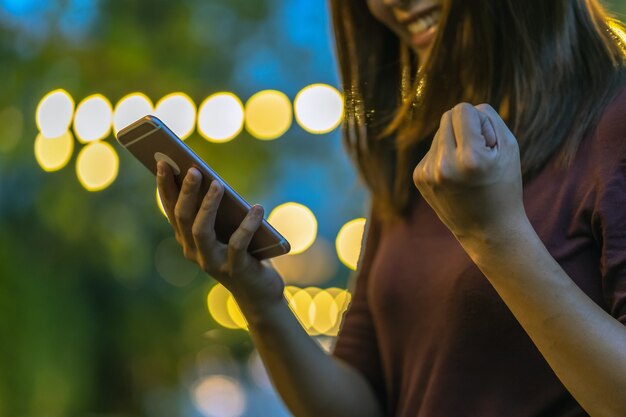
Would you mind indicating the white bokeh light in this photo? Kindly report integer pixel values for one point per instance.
(92, 120)
(220, 117)
(54, 113)
(319, 108)
(178, 112)
(219, 396)
(131, 108)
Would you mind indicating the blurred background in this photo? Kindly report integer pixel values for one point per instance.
(100, 314)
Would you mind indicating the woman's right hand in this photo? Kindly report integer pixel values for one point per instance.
(253, 283)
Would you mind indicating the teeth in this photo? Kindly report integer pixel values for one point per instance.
(422, 24)
(418, 26)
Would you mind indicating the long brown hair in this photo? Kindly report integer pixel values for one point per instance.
(556, 64)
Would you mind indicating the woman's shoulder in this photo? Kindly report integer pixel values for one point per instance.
(604, 148)
(612, 124)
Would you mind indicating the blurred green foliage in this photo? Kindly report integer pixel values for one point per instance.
(86, 323)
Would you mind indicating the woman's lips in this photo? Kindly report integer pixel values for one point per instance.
(423, 39)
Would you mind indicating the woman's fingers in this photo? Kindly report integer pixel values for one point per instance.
(240, 240)
(211, 251)
(186, 209)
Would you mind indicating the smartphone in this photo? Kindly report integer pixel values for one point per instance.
(150, 141)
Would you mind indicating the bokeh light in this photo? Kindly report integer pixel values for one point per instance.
(97, 166)
(160, 204)
(300, 303)
(178, 112)
(342, 300)
(296, 223)
(93, 117)
(131, 108)
(268, 114)
(235, 313)
(54, 113)
(320, 311)
(220, 117)
(53, 154)
(319, 108)
(222, 312)
(348, 242)
(219, 396)
(323, 312)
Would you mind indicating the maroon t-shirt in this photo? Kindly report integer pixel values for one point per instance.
(431, 334)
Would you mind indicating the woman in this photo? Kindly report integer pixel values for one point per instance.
(497, 285)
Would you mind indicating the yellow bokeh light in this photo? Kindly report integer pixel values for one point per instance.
(54, 113)
(235, 313)
(131, 108)
(342, 300)
(53, 154)
(348, 242)
(323, 314)
(296, 223)
(97, 166)
(160, 203)
(319, 310)
(300, 303)
(217, 302)
(93, 117)
(319, 108)
(290, 291)
(220, 117)
(268, 114)
(178, 112)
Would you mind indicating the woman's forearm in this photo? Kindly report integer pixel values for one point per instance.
(311, 382)
(584, 345)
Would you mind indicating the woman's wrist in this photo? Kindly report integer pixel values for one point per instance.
(261, 314)
(498, 240)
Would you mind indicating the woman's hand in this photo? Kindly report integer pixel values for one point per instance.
(252, 283)
(471, 175)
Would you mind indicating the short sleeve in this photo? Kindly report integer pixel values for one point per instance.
(610, 215)
(609, 212)
(357, 344)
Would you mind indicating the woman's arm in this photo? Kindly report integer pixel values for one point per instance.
(311, 383)
(471, 177)
(584, 345)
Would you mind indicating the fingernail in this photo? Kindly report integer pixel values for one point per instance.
(192, 175)
(257, 210)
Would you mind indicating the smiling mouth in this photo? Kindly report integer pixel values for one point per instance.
(423, 23)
